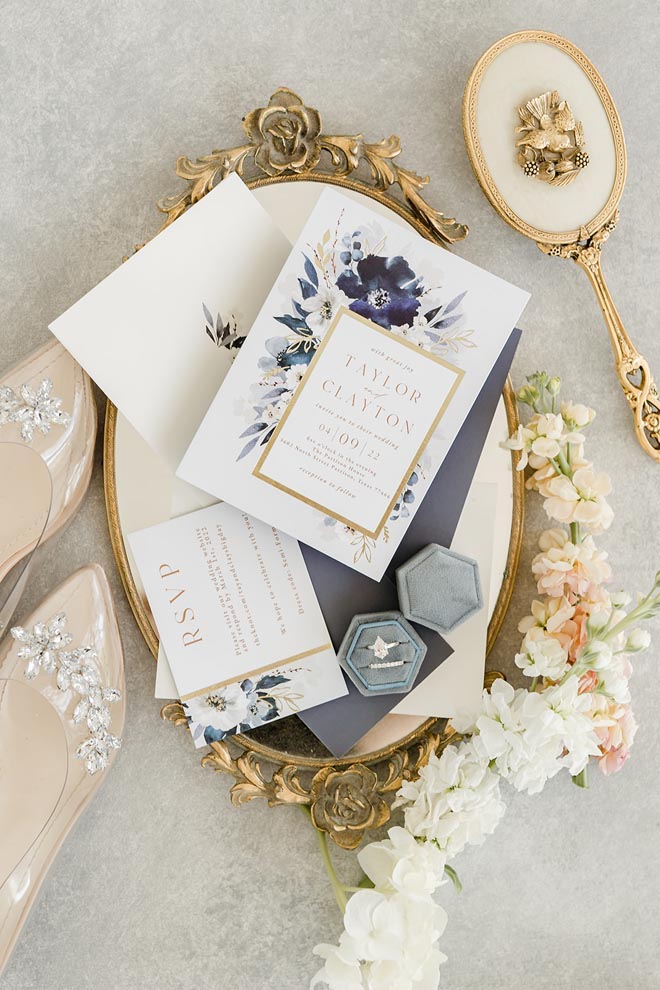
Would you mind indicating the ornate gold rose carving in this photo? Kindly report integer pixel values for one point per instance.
(285, 139)
(285, 134)
(346, 802)
(343, 801)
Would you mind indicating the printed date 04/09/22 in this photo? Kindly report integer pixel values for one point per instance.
(348, 441)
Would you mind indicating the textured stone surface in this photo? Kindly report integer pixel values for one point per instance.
(163, 885)
(439, 588)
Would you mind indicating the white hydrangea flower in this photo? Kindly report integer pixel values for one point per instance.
(530, 736)
(455, 801)
(572, 724)
(402, 864)
(543, 657)
(389, 942)
(499, 736)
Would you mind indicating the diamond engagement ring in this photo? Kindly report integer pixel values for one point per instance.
(381, 649)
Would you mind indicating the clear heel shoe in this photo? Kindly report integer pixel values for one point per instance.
(47, 433)
(61, 716)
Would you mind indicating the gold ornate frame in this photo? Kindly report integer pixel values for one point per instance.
(584, 244)
(344, 796)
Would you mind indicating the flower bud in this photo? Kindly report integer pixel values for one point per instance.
(638, 640)
(597, 654)
(528, 395)
(620, 599)
(554, 385)
(598, 620)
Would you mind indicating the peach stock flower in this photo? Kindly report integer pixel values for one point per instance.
(547, 618)
(615, 737)
(565, 568)
(537, 441)
(579, 499)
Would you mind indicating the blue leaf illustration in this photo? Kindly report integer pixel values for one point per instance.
(214, 735)
(454, 303)
(252, 429)
(269, 681)
(292, 322)
(267, 436)
(310, 272)
(299, 310)
(306, 288)
(248, 447)
(447, 321)
(274, 392)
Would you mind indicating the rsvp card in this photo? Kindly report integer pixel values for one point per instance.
(238, 619)
(352, 385)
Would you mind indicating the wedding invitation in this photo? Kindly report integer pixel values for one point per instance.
(159, 334)
(355, 379)
(358, 423)
(238, 618)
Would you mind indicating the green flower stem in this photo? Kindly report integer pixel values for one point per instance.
(576, 536)
(582, 778)
(564, 465)
(338, 889)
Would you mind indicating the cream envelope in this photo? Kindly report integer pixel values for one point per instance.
(156, 335)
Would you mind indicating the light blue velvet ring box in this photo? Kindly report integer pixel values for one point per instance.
(439, 588)
(381, 653)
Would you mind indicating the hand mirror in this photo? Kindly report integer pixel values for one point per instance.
(545, 142)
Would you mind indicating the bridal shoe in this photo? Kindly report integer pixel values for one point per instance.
(47, 433)
(61, 717)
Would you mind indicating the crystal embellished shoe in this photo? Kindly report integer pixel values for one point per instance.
(47, 427)
(61, 717)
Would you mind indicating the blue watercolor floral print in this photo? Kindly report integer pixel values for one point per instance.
(351, 269)
(242, 706)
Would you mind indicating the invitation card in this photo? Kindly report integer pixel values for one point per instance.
(159, 334)
(355, 379)
(238, 619)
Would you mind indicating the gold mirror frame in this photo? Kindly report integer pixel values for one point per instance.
(345, 796)
(582, 245)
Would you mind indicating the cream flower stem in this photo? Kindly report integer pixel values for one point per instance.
(338, 888)
(646, 609)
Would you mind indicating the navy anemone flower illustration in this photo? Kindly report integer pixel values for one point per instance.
(384, 290)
